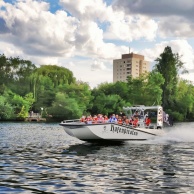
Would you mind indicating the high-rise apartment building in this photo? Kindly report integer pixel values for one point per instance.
(129, 65)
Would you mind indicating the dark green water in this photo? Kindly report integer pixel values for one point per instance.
(42, 158)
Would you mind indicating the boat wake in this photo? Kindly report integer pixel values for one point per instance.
(181, 132)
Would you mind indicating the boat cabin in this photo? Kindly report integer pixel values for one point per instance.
(147, 116)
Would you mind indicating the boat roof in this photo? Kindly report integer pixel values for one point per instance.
(142, 107)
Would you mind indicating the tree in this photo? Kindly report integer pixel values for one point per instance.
(14, 73)
(6, 110)
(64, 108)
(169, 65)
(107, 104)
(45, 82)
(136, 90)
(152, 90)
(79, 91)
(184, 100)
(20, 105)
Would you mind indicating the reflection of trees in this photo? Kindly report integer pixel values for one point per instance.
(133, 166)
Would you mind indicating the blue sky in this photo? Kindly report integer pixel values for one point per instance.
(86, 35)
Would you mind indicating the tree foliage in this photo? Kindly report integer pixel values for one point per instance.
(64, 108)
(169, 65)
(16, 72)
(25, 87)
(6, 109)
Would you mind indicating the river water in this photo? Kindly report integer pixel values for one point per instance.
(42, 158)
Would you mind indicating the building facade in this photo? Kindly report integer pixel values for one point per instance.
(129, 65)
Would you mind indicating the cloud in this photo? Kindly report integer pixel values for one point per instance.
(162, 8)
(175, 18)
(81, 31)
(9, 50)
(87, 9)
(129, 28)
(82, 70)
(97, 66)
(37, 31)
(177, 27)
(118, 25)
(180, 46)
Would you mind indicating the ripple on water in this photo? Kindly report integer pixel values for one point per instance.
(38, 157)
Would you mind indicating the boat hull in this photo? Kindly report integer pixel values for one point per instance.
(109, 132)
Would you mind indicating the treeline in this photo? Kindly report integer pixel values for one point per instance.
(54, 92)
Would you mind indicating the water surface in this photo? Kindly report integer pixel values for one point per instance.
(42, 158)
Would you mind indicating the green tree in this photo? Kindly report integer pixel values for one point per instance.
(21, 105)
(152, 90)
(64, 108)
(184, 100)
(6, 110)
(80, 91)
(45, 82)
(14, 73)
(169, 65)
(108, 104)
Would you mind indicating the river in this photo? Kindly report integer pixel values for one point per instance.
(42, 158)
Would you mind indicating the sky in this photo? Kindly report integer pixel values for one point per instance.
(86, 35)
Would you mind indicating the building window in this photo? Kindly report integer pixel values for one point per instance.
(120, 65)
(128, 68)
(128, 65)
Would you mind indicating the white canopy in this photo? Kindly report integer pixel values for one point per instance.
(141, 107)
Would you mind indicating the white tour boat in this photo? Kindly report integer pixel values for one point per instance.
(119, 132)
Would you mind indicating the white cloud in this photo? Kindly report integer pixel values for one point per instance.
(37, 31)
(92, 29)
(9, 50)
(177, 27)
(97, 66)
(129, 28)
(87, 9)
(82, 71)
(182, 47)
(174, 18)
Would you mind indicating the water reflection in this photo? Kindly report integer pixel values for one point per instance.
(42, 158)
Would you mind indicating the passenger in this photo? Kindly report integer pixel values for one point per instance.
(83, 119)
(136, 114)
(94, 120)
(88, 120)
(147, 121)
(113, 119)
(136, 122)
(100, 118)
(121, 114)
(120, 121)
(131, 121)
(124, 118)
(126, 121)
(146, 115)
(105, 119)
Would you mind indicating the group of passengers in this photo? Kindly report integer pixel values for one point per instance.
(120, 119)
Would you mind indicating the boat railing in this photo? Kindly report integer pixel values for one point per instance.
(71, 121)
